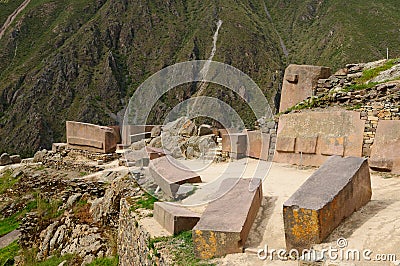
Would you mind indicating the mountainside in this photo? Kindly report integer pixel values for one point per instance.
(82, 60)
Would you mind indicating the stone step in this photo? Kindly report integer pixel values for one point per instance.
(337, 189)
(173, 218)
(225, 224)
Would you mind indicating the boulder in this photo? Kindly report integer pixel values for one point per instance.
(15, 158)
(155, 131)
(5, 159)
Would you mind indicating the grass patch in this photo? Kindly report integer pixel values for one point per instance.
(374, 72)
(8, 253)
(7, 181)
(181, 247)
(30, 259)
(109, 261)
(48, 208)
(83, 174)
(11, 223)
(358, 87)
(145, 202)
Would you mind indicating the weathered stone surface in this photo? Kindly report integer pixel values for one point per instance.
(385, 154)
(309, 138)
(139, 137)
(155, 131)
(5, 159)
(285, 144)
(299, 83)
(173, 218)
(169, 174)
(128, 130)
(58, 147)
(90, 137)
(182, 127)
(340, 187)
(234, 142)
(155, 153)
(306, 145)
(258, 144)
(198, 146)
(225, 224)
(15, 159)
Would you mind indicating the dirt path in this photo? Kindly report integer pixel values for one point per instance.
(12, 17)
(374, 227)
(9, 238)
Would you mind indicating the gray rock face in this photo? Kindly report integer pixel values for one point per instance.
(5, 159)
(182, 126)
(200, 146)
(155, 131)
(39, 155)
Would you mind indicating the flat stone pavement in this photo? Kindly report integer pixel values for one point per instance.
(9, 238)
(375, 226)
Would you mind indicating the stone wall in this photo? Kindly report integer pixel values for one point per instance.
(374, 101)
(134, 246)
(309, 138)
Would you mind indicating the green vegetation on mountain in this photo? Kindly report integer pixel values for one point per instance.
(82, 60)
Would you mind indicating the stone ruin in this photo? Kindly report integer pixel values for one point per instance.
(334, 139)
(309, 138)
(299, 82)
(91, 137)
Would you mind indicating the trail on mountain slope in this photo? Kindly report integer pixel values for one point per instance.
(12, 17)
(283, 46)
(206, 66)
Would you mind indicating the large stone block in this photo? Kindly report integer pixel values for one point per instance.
(299, 83)
(309, 138)
(90, 137)
(173, 218)
(235, 143)
(225, 224)
(169, 174)
(337, 189)
(138, 131)
(385, 155)
(258, 144)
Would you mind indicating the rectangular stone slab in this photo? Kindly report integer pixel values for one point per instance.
(225, 224)
(169, 174)
(337, 189)
(258, 145)
(173, 218)
(306, 145)
(90, 137)
(234, 142)
(285, 144)
(385, 155)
